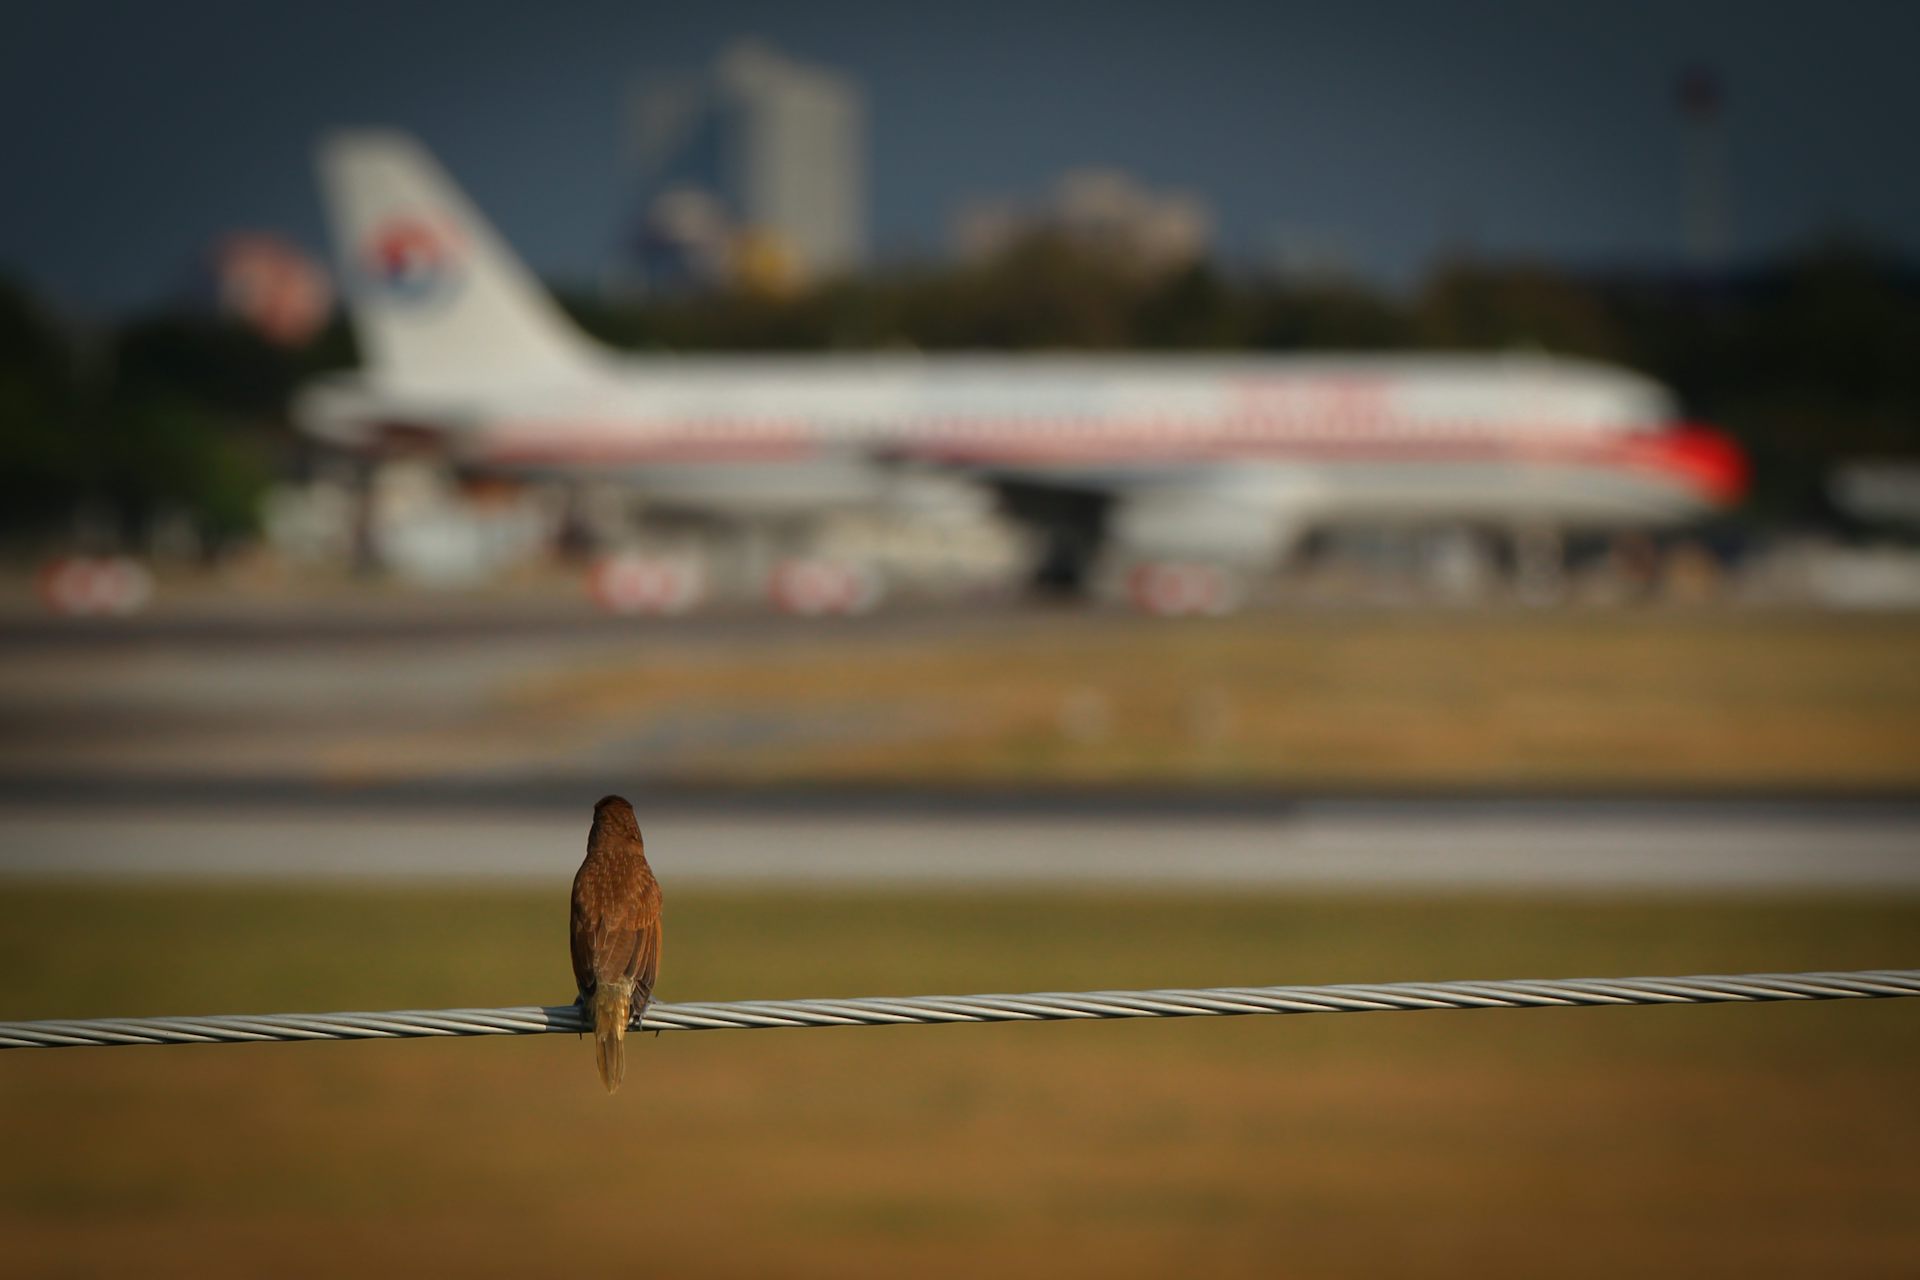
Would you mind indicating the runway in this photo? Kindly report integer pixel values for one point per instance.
(1373, 845)
(422, 740)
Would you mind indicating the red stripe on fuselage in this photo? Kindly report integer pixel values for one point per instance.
(1700, 458)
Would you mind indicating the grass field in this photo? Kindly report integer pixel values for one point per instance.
(1736, 1141)
(1634, 699)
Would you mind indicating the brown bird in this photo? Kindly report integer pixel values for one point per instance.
(615, 932)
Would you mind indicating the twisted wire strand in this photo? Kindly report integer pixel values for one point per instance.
(1044, 1006)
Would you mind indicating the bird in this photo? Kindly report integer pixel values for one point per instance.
(614, 932)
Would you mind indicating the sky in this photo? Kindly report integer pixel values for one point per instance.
(132, 135)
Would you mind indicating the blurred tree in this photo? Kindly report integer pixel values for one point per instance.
(1044, 292)
(217, 363)
(1476, 305)
(1189, 308)
(42, 463)
(170, 414)
(1332, 314)
(165, 454)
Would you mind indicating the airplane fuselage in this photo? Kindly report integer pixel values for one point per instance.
(1482, 437)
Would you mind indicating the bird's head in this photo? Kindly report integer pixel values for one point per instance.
(615, 812)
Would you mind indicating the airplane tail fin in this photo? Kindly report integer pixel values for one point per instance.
(437, 298)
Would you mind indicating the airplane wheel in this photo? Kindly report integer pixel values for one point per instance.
(817, 588)
(1185, 590)
(95, 586)
(649, 585)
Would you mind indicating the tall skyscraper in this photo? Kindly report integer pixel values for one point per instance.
(779, 148)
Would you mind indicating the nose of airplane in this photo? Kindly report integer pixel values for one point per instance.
(1706, 458)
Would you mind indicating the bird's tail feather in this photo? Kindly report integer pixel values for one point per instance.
(612, 1007)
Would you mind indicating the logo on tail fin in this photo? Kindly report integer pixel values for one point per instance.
(411, 259)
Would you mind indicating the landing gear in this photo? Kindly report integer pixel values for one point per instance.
(1539, 565)
(1066, 562)
(1072, 526)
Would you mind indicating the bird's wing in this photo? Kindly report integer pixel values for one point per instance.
(580, 939)
(621, 943)
(646, 955)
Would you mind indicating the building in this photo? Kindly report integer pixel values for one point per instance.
(773, 154)
(1104, 211)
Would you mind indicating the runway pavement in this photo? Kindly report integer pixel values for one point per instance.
(383, 742)
(1383, 845)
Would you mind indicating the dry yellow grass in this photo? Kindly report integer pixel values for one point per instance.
(1635, 699)
(1730, 1141)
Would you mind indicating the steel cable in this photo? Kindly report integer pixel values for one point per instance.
(1045, 1006)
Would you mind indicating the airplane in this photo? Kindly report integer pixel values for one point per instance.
(1152, 462)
